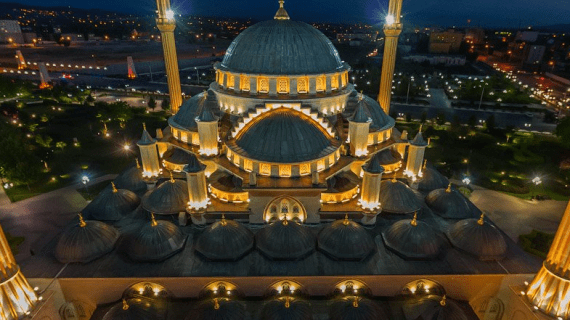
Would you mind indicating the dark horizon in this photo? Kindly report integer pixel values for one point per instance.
(445, 13)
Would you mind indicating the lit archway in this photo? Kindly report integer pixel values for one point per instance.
(285, 208)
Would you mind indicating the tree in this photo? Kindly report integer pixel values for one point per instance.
(151, 103)
(490, 123)
(44, 141)
(440, 118)
(165, 105)
(563, 132)
(17, 161)
(61, 145)
(408, 117)
(472, 121)
(424, 117)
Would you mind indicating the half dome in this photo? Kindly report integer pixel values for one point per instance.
(85, 241)
(284, 136)
(286, 309)
(397, 197)
(225, 240)
(431, 180)
(413, 239)
(168, 198)
(433, 307)
(478, 238)
(282, 47)
(285, 240)
(451, 204)
(356, 308)
(218, 309)
(153, 241)
(346, 240)
(112, 204)
(185, 118)
(132, 180)
(133, 309)
(371, 109)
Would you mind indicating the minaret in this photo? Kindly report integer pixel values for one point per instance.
(416, 152)
(132, 73)
(21, 61)
(392, 30)
(358, 129)
(44, 76)
(550, 289)
(17, 297)
(166, 24)
(149, 155)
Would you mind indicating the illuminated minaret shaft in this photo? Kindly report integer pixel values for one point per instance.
(166, 24)
(392, 30)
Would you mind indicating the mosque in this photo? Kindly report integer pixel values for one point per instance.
(283, 193)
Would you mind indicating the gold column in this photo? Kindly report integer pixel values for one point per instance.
(392, 30)
(166, 24)
(550, 289)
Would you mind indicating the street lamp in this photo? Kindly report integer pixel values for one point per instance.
(466, 181)
(85, 181)
(537, 181)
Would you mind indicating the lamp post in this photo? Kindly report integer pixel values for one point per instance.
(85, 181)
(537, 181)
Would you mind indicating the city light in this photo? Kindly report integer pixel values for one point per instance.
(390, 19)
(169, 14)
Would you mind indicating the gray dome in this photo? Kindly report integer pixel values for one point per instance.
(169, 198)
(153, 241)
(283, 136)
(282, 47)
(431, 180)
(285, 240)
(190, 109)
(413, 239)
(85, 241)
(387, 157)
(280, 309)
(451, 204)
(372, 110)
(218, 309)
(225, 240)
(133, 309)
(478, 238)
(132, 180)
(356, 308)
(112, 205)
(397, 197)
(432, 307)
(178, 156)
(346, 240)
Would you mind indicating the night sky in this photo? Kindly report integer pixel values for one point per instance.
(489, 13)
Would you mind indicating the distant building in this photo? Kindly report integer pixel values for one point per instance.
(447, 60)
(362, 36)
(475, 35)
(10, 32)
(72, 36)
(534, 54)
(445, 42)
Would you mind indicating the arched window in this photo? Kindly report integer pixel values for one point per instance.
(263, 85)
(321, 83)
(231, 81)
(334, 82)
(302, 85)
(283, 85)
(285, 207)
(244, 83)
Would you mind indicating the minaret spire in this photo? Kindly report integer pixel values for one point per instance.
(281, 13)
(392, 30)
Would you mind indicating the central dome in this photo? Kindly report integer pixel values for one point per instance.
(282, 47)
(283, 136)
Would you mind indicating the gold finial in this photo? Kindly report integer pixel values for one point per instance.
(355, 302)
(443, 301)
(281, 12)
(429, 141)
(153, 220)
(421, 127)
(415, 219)
(287, 302)
(205, 94)
(425, 164)
(216, 304)
(82, 223)
(481, 220)
(125, 305)
(448, 190)
(171, 177)
(361, 95)
(144, 126)
(138, 163)
(346, 222)
(114, 187)
(394, 178)
(285, 221)
(223, 222)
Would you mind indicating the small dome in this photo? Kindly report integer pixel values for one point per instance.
(225, 240)
(284, 136)
(346, 240)
(371, 108)
(168, 198)
(153, 241)
(177, 156)
(286, 309)
(413, 239)
(85, 241)
(282, 47)
(433, 307)
(133, 309)
(356, 308)
(431, 180)
(112, 204)
(451, 204)
(285, 240)
(478, 238)
(132, 180)
(218, 309)
(185, 118)
(387, 157)
(397, 197)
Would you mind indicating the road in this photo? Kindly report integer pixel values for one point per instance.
(439, 99)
